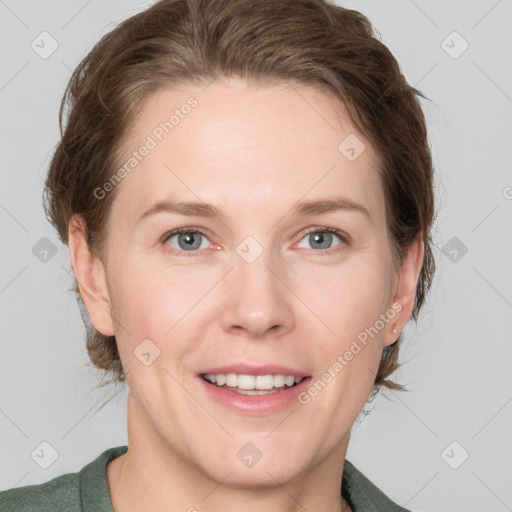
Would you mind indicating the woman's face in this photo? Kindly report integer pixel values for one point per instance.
(283, 267)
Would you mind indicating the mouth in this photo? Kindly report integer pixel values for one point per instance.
(254, 390)
(245, 384)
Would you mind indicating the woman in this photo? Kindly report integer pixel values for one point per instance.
(245, 188)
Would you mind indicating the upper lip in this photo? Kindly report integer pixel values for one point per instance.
(245, 369)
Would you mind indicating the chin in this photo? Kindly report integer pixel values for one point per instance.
(259, 477)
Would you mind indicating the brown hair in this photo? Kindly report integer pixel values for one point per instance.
(179, 41)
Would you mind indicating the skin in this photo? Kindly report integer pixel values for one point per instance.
(253, 150)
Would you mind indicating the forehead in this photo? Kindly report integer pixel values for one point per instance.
(246, 145)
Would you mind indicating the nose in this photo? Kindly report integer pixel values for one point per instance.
(258, 301)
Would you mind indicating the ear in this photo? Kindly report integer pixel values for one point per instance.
(91, 277)
(405, 292)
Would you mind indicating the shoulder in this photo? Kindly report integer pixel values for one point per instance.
(73, 492)
(363, 495)
(61, 493)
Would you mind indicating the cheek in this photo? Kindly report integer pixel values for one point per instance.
(352, 304)
(352, 297)
(150, 299)
(151, 308)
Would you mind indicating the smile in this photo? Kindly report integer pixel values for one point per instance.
(254, 395)
(252, 384)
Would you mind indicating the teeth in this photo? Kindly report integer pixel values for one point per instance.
(254, 391)
(260, 382)
(252, 382)
(279, 380)
(289, 380)
(231, 380)
(245, 381)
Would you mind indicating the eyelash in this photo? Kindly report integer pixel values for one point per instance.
(320, 252)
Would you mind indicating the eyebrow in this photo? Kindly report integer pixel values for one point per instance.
(183, 208)
(329, 206)
(196, 209)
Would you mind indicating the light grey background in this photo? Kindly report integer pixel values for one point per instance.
(458, 359)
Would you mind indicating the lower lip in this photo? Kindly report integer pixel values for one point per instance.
(256, 404)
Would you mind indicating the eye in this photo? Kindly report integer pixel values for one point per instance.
(323, 239)
(187, 240)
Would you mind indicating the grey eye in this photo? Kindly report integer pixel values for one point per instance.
(187, 241)
(321, 240)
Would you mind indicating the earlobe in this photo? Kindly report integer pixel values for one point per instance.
(405, 293)
(91, 277)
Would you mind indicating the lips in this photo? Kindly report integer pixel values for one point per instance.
(253, 402)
